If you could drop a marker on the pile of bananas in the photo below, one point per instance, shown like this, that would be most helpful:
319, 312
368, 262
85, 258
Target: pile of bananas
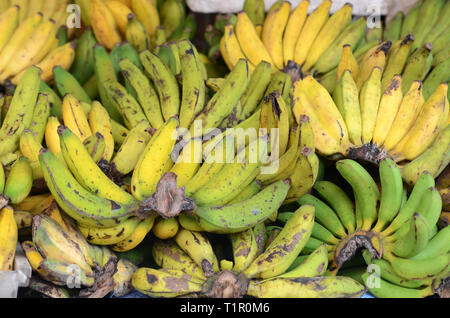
287, 37
34, 33
396, 228
371, 124
415, 48
261, 266
145, 24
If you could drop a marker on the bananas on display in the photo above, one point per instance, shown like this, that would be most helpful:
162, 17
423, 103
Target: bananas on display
188, 265
34, 33
396, 228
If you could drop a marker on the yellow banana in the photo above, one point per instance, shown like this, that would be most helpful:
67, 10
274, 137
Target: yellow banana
293, 28
387, 110
347, 62
9, 20
272, 33
188, 162
103, 24
100, 122
136, 237
19, 181
8, 238
120, 12
369, 101
329, 32
407, 113
74, 117
24, 57
147, 13
109, 236
165, 228
249, 41
429, 123
375, 57
21, 34
154, 160
313, 24
231, 49
136, 34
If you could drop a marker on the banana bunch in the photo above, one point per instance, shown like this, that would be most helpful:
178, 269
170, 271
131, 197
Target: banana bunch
34, 33
145, 24
258, 268
418, 49
360, 120
286, 36
59, 254
397, 228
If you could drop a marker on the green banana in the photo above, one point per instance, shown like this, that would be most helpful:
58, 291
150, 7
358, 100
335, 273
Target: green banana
66, 83
313, 265
255, 10
83, 65
410, 20
19, 181
393, 27
439, 74
172, 14
417, 67
415, 240
429, 13
390, 290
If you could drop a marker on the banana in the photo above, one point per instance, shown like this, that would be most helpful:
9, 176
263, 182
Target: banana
138, 235
389, 290
74, 117
199, 248
234, 176
410, 20
8, 237
9, 20
419, 269
87, 172
436, 246
34, 257
120, 12
104, 71
126, 157
440, 24
392, 189
437, 75
193, 95
374, 57
234, 218
19, 181
349, 36
257, 85
272, 33
417, 67
26, 54
338, 200
83, 65
20, 111
40, 116
255, 10
294, 25
100, 122
230, 48
433, 160
103, 24
188, 162
277, 258
312, 27
314, 265
365, 191
122, 278
29, 146
165, 228
407, 113
252, 46
387, 110
169, 255
165, 83
112, 235
429, 12
222, 103
369, 99
249, 191
66, 83
136, 34
336, 23
393, 27
158, 283
346, 98
60, 273
147, 13
95, 146
85, 207
154, 160
172, 15
245, 249
313, 100
145, 93
424, 182
397, 59
430, 206
427, 126
308, 287
347, 62
54, 99
54, 243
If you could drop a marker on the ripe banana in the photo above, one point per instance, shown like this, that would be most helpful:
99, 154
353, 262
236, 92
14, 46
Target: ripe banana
8, 237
